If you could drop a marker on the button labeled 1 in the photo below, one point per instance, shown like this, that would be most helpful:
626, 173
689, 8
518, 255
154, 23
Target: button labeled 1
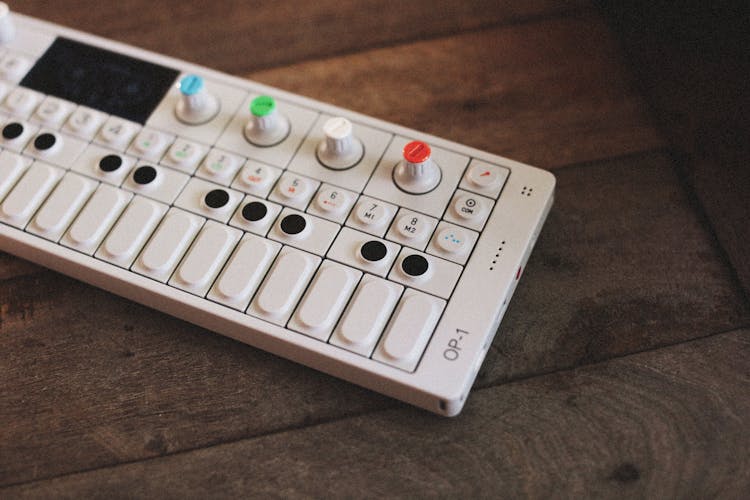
324, 300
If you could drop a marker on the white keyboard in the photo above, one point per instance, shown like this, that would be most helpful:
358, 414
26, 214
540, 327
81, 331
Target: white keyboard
376, 253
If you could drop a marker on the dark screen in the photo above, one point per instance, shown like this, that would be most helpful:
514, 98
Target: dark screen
110, 82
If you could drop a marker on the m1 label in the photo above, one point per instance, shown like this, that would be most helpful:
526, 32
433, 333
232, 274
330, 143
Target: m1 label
453, 351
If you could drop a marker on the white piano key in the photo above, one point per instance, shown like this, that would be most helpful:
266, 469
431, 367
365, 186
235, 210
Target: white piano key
29, 193
368, 312
409, 330
169, 243
324, 300
92, 224
283, 286
205, 258
131, 231
11, 168
244, 272
62, 206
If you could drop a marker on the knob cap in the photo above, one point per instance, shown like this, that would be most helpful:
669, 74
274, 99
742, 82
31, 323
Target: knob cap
196, 106
7, 28
417, 173
266, 127
340, 149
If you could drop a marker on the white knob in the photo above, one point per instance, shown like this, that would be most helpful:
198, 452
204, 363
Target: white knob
340, 149
417, 173
196, 105
7, 28
266, 127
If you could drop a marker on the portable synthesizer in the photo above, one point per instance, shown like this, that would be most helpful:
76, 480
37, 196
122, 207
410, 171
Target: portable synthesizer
369, 251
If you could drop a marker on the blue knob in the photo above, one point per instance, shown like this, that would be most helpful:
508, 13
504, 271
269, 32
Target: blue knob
191, 85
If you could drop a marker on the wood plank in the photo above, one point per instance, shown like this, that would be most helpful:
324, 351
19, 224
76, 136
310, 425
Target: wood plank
237, 37
623, 264
670, 423
91, 380
697, 82
550, 93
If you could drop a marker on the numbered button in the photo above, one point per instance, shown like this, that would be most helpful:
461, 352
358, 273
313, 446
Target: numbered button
13, 67
469, 210
116, 133
332, 203
294, 190
184, 155
52, 112
412, 229
220, 166
372, 216
84, 122
21, 102
150, 144
256, 178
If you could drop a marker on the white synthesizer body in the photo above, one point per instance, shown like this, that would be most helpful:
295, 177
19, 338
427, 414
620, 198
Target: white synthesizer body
369, 251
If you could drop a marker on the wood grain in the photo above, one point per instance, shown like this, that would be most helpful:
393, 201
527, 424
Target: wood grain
92, 380
550, 93
97, 390
697, 83
240, 36
624, 263
661, 424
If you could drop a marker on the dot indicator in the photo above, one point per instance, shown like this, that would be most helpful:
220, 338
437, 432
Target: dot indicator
262, 105
191, 85
12, 130
254, 211
110, 163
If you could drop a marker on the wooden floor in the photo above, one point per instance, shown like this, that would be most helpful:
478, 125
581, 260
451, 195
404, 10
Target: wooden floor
622, 368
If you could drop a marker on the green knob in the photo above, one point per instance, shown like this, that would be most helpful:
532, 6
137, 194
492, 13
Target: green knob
262, 106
